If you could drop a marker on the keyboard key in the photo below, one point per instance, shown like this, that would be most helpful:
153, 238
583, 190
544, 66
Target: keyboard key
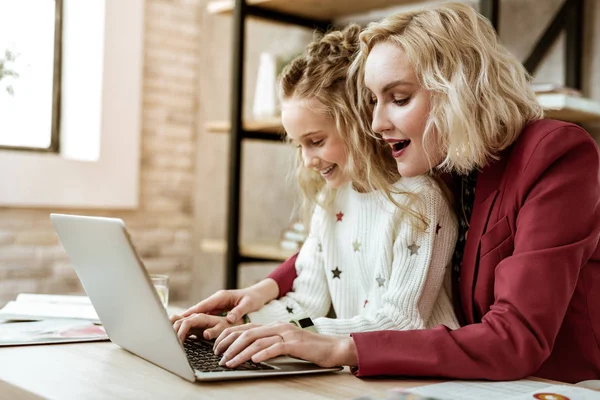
202, 358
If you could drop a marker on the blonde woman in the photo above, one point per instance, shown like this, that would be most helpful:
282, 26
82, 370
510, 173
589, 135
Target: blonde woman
378, 251
527, 275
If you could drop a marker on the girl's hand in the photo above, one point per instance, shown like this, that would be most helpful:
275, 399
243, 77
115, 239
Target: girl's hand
259, 343
211, 324
239, 301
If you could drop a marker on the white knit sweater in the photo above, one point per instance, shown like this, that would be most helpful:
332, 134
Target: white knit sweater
375, 268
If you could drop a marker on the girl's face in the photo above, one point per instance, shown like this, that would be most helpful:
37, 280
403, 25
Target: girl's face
400, 108
316, 135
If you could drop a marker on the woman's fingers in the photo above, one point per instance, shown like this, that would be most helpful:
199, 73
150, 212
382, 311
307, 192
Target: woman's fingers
232, 346
229, 335
254, 348
268, 341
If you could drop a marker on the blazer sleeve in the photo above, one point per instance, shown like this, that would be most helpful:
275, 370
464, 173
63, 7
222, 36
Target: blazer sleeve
557, 230
285, 274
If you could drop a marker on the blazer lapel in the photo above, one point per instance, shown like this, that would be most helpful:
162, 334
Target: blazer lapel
486, 191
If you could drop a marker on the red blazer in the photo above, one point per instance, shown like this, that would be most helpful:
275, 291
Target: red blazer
530, 277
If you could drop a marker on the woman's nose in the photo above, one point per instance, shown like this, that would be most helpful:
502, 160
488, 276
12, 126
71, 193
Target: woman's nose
381, 122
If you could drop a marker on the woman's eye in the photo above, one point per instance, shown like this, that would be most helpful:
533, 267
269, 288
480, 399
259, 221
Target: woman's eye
401, 102
317, 142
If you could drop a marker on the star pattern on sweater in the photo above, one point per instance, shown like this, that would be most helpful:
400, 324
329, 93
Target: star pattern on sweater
336, 273
356, 245
365, 303
437, 228
339, 216
320, 248
289, 309
414, 249
380, 280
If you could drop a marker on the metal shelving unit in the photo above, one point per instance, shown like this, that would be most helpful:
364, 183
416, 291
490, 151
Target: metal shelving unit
319, 14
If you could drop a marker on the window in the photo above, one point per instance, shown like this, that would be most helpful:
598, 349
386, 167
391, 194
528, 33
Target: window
99, 158
30, 74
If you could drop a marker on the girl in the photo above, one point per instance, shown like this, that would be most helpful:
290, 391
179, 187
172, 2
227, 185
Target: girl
378, 248
528, 188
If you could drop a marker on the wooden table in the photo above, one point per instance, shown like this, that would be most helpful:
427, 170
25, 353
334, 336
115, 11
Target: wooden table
103, 370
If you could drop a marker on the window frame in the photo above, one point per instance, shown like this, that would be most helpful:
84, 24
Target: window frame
105, 110
54, 146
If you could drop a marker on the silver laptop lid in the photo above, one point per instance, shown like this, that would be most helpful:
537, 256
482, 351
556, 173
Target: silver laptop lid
120, 289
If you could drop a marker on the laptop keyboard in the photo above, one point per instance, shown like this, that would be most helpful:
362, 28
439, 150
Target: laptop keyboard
202, 358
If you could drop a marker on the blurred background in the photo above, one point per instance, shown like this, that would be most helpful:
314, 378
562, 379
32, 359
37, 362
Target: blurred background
117, 126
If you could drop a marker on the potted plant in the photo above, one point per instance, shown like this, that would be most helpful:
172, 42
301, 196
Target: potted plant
5, 71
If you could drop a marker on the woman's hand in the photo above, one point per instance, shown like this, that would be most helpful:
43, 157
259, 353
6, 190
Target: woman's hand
259, 343
211, 324
239, 301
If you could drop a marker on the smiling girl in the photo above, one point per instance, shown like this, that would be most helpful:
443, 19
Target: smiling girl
380, 244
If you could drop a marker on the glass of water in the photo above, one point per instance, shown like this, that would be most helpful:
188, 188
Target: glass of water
161, 284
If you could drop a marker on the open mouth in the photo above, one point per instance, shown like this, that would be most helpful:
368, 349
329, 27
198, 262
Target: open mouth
398, 146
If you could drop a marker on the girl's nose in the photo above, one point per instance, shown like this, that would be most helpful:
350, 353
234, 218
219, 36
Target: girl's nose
310, 160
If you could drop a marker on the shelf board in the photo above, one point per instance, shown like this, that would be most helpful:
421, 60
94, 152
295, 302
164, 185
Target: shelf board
266, 249
569, 108
269, 125
557, 106
313, 9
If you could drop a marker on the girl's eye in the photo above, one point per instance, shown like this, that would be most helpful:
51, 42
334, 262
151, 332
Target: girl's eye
401, 102
317, 142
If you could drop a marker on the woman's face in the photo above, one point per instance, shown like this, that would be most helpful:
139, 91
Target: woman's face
400, 108
316, 135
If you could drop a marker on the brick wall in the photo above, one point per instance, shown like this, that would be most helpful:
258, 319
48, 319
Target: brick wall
183, 168
31, 257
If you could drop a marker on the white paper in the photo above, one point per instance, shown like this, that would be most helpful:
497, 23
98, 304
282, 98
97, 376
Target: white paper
570, 392
50, 331
33, 306
477, 390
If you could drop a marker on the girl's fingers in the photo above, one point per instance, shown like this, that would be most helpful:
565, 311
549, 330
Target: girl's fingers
195, 321
221, 300
177, 324
213, 332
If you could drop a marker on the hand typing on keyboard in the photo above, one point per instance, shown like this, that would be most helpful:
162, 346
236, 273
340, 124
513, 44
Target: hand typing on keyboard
212, 325
202, 358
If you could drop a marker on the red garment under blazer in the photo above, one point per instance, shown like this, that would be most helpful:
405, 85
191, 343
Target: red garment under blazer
530, 277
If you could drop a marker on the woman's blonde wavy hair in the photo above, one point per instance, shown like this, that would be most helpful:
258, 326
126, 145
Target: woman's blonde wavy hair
480, 94
321, 75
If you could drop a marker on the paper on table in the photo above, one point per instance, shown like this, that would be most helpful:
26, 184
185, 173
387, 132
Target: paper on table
513, 390
50, 331
477, 390
53, 298
555, 392
34, 306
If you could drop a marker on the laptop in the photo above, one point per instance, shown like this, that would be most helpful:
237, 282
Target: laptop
133, 316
